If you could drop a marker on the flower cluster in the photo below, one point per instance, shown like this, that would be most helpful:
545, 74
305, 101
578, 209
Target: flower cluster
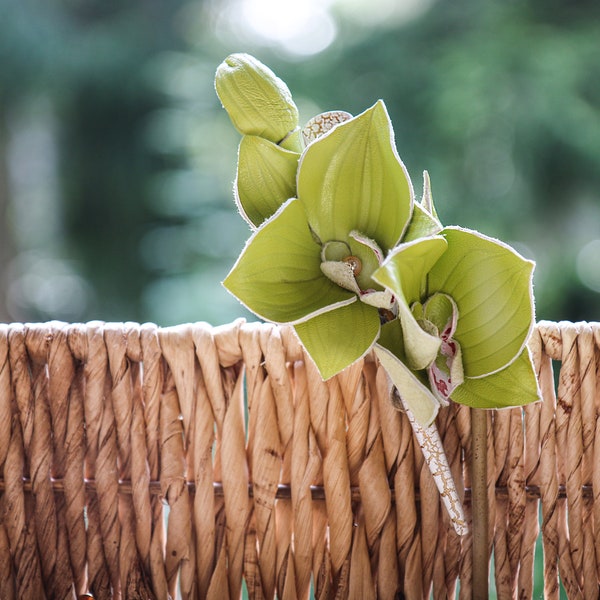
342, 252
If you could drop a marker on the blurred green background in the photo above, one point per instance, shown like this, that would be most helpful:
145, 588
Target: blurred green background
117, 160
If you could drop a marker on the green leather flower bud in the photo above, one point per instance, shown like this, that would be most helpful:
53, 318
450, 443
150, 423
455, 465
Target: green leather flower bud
257, 101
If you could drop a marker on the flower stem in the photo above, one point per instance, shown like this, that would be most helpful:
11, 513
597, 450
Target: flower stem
479, 503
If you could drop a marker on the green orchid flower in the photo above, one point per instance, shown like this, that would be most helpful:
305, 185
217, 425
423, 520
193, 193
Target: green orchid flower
477, 299
311, 263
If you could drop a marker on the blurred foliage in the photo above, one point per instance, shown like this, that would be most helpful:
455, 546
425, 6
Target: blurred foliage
500, 102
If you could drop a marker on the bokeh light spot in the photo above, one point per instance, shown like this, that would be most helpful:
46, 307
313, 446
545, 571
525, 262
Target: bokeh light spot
588, 265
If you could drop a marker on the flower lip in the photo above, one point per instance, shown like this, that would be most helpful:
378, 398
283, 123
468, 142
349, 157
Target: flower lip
350, 263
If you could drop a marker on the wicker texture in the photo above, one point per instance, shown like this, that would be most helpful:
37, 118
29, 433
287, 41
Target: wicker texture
270, 474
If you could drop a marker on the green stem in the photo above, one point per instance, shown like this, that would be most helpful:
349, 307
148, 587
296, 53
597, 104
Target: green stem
479, 504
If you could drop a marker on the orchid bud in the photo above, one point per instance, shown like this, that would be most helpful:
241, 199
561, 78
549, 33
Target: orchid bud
257, 101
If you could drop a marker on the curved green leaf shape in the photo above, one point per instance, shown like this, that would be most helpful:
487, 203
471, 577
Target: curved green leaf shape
414, 393
516, 385
337, 338
351, 179
404, 272
278, 275
266, 178
492, 287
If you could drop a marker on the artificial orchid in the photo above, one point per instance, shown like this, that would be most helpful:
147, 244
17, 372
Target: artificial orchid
341, 251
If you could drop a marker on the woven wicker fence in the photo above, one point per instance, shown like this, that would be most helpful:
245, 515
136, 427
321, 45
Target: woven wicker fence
147, 462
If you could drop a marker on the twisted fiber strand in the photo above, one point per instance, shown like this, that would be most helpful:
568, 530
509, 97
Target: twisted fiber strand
141, 516
124, 358
250, 568
354, 387
235, 484
587, 381
140, 471
285, 568
321, 559
547, 338
84, 343
152, 385
275, 365
447, 556
517, 502
568, 436
327, 411
398, 450
502, 572
177, 454
19, 526
375, 496
57, 575
357, 412
122, 398
336, 480
5, 394
21, 566
375, 491
596, 454
389, 573
179, 549
25, 402
253, 381
16, 517
317, 397
7, 589
369, 472
501, 436
531, 527
65, 396
408, 535
207, 354
266, 461
306, 464
218, 388
516, 493
204, 500
491, 481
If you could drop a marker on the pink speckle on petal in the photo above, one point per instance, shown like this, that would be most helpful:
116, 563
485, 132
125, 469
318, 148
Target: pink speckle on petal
441, 384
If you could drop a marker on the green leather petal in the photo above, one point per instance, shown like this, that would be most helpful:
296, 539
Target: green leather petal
351, 179
337, 338
278, 275
516, 385
492, 287
266, 178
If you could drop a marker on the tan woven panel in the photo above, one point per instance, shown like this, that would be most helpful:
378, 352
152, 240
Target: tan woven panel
147, 462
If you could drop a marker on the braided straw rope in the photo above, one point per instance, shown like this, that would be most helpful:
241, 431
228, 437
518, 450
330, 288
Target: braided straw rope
140, 462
